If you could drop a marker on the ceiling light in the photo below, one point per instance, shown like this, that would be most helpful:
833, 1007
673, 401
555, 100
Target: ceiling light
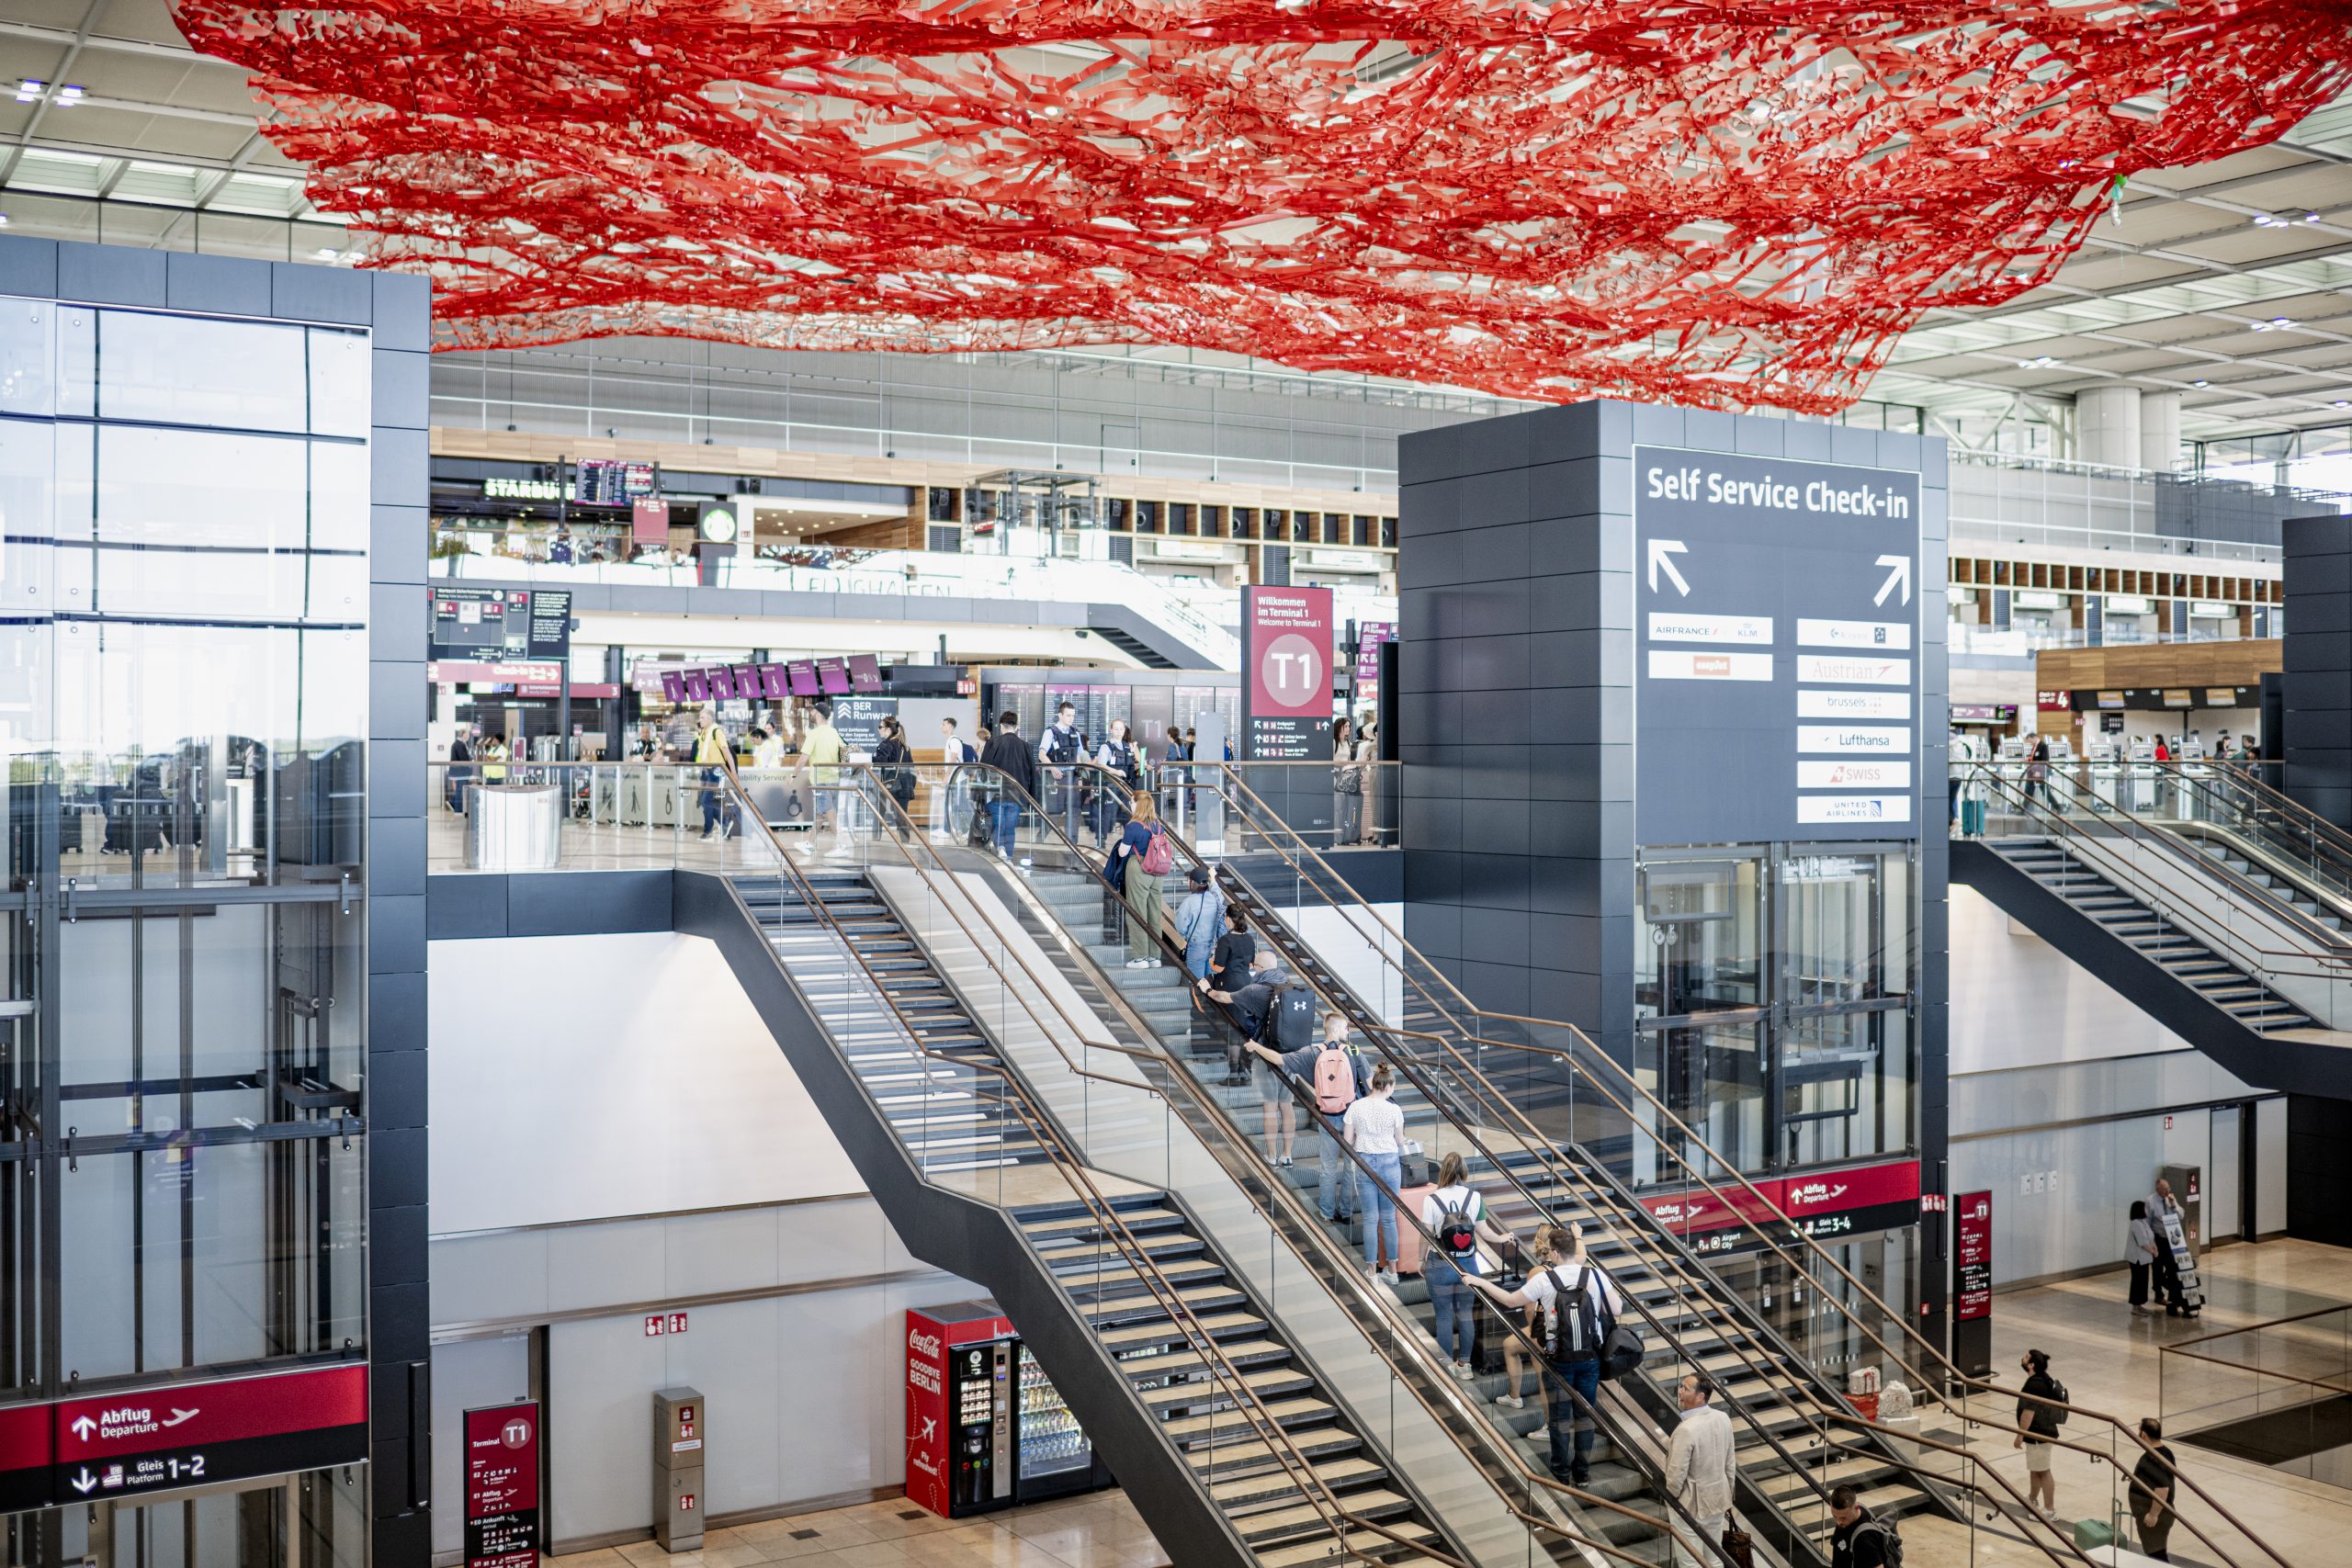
2281, 321
68, 96
2311, 217
2262, 220
326, 253
2198, 383
4, 220
2343, 403
30, 91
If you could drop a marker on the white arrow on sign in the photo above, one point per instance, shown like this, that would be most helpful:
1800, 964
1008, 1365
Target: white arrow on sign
1898, 571
85, 1481
1661, 550
84, 1427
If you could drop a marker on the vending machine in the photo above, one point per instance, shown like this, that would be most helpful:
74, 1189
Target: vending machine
986, 1428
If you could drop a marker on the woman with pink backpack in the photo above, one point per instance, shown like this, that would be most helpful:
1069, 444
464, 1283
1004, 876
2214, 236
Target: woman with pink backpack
1143, 855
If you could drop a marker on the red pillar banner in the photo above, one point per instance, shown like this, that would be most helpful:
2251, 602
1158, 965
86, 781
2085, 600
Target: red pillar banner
502, 1485
1286, 659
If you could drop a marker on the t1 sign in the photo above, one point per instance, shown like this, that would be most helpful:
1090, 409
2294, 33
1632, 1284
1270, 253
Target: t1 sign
502, 1485
1286, 650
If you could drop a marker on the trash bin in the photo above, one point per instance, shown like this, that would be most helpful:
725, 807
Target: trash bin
514, 827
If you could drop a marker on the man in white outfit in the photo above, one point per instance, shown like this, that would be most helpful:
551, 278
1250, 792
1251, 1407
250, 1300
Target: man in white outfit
1699, 1467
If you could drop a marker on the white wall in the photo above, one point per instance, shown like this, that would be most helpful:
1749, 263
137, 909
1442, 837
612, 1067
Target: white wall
2062, 1195
2017, 1001
583, 1076
1353, 948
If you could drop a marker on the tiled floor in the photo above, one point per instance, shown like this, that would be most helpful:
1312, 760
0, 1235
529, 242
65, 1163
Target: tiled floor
2107, 1358
1096, 1531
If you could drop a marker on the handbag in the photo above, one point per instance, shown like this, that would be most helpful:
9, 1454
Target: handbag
1347, 780
1739, 1548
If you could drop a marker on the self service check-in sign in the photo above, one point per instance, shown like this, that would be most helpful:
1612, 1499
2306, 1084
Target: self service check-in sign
1776, 648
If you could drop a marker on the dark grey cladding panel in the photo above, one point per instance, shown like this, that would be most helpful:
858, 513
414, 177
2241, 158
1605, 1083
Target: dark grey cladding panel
1431, 822
1497, 554
1760, 437
1850, 443
321, 294
1436, 926
403, 394
1709, 430
1806, 441
1495, 936
216, 285
1477, 609
2317, 574
111, 275
402, 315
1496, 987
2301, 537
1431, 875
1488, 662
1579, 430
2324, 690
1497, 826
2319, 650
460, 909
2324, 727
1492, 499
1434, 560
1582, 485
1590, 541
1656, 424
2318, 612
28, 267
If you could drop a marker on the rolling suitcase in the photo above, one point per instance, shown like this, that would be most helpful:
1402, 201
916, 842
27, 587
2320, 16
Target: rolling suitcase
1409, 1245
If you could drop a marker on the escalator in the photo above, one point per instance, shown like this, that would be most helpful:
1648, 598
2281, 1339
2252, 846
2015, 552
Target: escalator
2217, 913
1494, 1078
1240, 1385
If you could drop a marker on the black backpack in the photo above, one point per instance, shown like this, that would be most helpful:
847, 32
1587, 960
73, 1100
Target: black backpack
1291, 1019
1456, 1231
1890, 1539
2056, 1414
1579, 1332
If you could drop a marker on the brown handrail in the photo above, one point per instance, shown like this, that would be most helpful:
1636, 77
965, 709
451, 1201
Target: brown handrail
1773, 1374
1382, 1308
1145, 1268
1954, 1375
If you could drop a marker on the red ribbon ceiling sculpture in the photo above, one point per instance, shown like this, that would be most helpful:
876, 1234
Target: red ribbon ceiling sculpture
1721, 204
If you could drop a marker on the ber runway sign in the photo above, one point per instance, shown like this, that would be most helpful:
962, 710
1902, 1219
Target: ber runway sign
1776, 639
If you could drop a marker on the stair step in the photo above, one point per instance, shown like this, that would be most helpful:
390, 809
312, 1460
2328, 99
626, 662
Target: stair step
1354, 1545
1169, 1363
1275, 1524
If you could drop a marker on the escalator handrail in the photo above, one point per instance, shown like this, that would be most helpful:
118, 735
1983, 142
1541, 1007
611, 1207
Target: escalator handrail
2271, 842
2286, 805
2138, 830
1230, 1379
1604, 1065
1386, 1310
1631, 1217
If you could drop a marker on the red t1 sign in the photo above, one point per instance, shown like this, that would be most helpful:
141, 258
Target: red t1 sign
1286, 650
502, 1486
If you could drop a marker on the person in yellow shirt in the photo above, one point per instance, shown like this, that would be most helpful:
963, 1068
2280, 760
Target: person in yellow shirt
822, 746
712, 756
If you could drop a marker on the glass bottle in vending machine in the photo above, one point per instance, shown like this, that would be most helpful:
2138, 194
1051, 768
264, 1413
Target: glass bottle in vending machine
986, 1428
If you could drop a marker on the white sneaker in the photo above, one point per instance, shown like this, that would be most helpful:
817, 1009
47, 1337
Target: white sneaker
1388, 1276
1463, 1370
1510, 1402
1143, 963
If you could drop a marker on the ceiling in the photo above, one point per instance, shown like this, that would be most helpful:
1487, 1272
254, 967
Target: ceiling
2230, 282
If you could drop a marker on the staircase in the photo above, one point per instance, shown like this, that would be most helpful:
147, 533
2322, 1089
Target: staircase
1121, 1295
2290, 892
2158, 940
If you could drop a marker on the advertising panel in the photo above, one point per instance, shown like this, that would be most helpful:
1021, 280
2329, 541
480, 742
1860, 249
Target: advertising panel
1768, 592
500, 624
1971, 1329
1286, 652
502, 1485
649, 522
927, 1435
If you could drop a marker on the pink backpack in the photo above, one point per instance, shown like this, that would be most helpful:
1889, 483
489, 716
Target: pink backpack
1335, 1081
1160, 855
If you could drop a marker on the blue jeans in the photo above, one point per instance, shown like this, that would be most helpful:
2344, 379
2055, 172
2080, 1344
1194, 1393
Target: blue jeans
1329, 1195
1456, 1330
710, 801
1567, 1415
1376, 1202
1004, 817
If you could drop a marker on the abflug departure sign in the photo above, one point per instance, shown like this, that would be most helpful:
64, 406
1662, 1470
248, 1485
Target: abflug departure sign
1777, 674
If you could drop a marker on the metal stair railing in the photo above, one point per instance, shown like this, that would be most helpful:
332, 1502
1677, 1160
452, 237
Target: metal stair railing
1230, 1381
1632, 1219
1638, 1108
1403, 1332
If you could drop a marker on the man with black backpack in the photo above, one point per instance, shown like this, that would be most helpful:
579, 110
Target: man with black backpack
1579, 1307
1862, 1539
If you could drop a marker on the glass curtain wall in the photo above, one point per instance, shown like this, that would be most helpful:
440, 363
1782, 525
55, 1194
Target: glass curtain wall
183, 698
1773, 999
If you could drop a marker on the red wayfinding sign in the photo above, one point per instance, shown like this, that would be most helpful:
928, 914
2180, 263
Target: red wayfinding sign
1286, 650
196, 1434
502, 1485
1973, 1255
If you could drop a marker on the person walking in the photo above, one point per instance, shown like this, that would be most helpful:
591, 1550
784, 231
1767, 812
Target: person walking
896, 765
2037, 772
1579, 1303
1135, 866
713, 757
2140, 1252
1277, 1111
822, 747
1200, 921
1699, 1474
1010, 756
1454, 1215
951, 803
1368, 774
1175, 774
767, 749
2153, 1480
461, 752
1374, 1127
2037, 1419
1336, 1075
1347, 785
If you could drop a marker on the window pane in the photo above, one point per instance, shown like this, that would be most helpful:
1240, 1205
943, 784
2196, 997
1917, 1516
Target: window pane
202, 487
28, 355
188, 370
340, 388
